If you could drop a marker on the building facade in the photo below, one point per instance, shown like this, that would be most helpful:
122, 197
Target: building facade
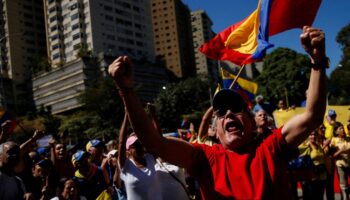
60, 88
173, 36
116, 27
202, 32
22, 44
79, 30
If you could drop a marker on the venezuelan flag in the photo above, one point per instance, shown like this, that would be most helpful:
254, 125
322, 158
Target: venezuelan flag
5, 116
247, 41
246, 88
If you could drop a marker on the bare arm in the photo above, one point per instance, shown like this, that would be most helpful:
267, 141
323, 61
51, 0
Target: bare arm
298, 128
52, 144
26, 147
116, 177
172, 150
204, 126
122, 141
154, 118
5, 131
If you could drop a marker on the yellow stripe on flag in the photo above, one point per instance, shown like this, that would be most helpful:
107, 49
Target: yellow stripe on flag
244, 38
245, 84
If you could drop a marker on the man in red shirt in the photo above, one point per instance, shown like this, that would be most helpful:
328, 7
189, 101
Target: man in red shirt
240, 167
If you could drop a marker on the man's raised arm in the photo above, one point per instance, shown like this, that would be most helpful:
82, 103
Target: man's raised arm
298, 128
175, 151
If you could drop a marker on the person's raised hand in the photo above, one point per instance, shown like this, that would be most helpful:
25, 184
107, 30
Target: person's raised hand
121, 70
313, 41
38, 134
52, 142
7, 127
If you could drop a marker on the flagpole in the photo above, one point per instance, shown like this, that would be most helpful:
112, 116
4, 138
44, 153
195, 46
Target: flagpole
237, 76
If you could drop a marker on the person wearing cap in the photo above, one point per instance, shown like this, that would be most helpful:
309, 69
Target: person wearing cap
96, 149
262, 105
329, 122
88, 177
137, 167
238, 168
41, 186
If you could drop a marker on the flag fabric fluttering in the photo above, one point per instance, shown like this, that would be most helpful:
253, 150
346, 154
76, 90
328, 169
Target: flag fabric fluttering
246, 41
4, 116
246, 88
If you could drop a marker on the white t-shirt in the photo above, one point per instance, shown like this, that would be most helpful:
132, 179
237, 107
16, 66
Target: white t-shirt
79, 197
11, 187
141, 184
171, 188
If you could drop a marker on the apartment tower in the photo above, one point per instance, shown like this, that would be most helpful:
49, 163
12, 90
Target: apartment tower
22, 45
115, 27
173, 36
202, 32
81, 31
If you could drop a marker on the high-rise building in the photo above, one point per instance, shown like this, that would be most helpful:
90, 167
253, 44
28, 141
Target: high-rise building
116, 27
22, 44
101, 28
202, 32
173, 36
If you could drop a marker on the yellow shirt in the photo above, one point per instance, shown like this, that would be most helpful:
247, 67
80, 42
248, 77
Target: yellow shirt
329, 130
343, 160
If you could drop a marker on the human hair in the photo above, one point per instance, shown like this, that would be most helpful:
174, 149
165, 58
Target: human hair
9, 143
2, 148
335, 127
61, 185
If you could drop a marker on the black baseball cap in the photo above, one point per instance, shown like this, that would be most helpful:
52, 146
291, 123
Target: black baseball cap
228, 99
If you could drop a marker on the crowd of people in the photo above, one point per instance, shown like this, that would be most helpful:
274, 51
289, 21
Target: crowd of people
236, 153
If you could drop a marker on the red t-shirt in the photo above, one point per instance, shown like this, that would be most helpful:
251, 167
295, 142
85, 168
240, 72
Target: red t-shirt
257, 174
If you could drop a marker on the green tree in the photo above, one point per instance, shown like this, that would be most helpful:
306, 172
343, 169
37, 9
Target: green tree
285, 73
101, 114
340, 77
51, 122
178, 99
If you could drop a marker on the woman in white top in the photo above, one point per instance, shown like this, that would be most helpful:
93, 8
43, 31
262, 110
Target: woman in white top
137, 168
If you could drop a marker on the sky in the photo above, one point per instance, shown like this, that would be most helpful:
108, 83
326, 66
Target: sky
332, 16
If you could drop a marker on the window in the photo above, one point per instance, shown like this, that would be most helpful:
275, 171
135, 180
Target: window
54, 37
75, 16
53, 28
55, 56
76, 36
53, 19
56, 46
75, 26
53, 9
74, 6
108, 17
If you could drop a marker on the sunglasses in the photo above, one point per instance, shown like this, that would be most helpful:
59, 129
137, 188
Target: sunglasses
136, 145
234, 108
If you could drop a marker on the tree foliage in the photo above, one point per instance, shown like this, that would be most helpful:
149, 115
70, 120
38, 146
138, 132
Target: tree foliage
340, 77
101, 114
185, 97
285, 74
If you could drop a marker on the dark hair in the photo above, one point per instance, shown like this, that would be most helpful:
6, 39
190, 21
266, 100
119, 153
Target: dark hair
61, 185
336, 126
